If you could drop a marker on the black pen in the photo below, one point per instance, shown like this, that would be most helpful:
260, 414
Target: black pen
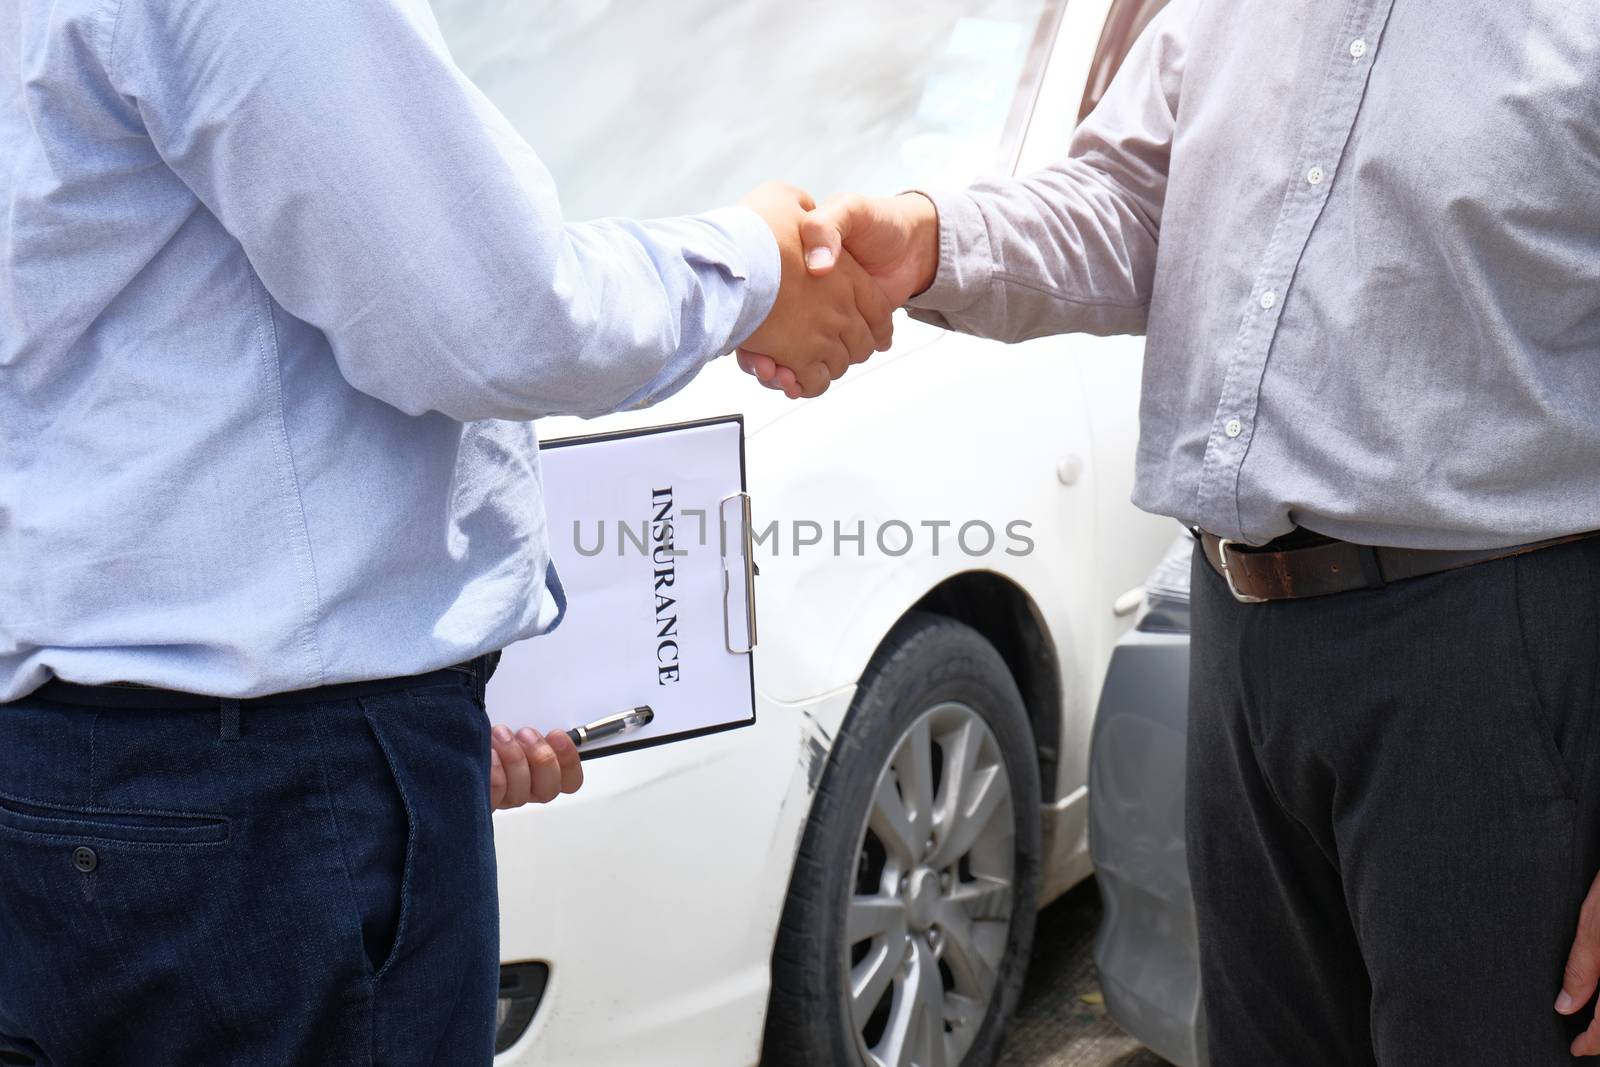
612, 725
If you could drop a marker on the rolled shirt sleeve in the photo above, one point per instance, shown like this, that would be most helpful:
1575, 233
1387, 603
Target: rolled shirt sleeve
381, 198
1071, 248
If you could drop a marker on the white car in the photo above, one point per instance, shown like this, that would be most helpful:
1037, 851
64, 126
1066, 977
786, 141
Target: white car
852, 880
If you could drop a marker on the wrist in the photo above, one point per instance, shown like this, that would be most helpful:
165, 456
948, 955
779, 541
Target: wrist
921, 219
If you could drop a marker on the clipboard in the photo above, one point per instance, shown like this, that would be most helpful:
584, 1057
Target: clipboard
650, 533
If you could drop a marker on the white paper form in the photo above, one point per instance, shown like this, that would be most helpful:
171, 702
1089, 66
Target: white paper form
648, 532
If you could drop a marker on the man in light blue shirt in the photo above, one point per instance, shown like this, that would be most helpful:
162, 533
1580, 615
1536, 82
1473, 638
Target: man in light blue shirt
279, 294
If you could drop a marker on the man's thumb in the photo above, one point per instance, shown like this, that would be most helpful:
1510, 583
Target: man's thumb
824, 231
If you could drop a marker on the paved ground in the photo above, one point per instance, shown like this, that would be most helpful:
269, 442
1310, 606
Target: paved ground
1060, 1021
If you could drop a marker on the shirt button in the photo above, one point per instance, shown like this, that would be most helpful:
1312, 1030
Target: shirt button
1358, 48
1268, 299
85, 860
1314, 175
1234, 428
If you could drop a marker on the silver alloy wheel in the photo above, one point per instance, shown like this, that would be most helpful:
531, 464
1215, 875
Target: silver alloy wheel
930, 907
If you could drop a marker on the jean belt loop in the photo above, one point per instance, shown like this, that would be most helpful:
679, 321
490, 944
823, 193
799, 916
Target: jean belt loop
486, 665
230, 720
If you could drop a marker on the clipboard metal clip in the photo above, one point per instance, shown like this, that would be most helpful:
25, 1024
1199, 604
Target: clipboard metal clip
738, 575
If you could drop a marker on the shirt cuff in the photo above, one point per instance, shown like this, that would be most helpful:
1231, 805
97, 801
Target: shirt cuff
762, 267
965, 261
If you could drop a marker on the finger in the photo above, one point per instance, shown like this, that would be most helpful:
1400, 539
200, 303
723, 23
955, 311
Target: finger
813, 379
768, 371
764, 368
824, 231
754, 363
784, 379
1588, 1042
497, 778
789, 382
567, 756
875, 309
1583, 968
858, 341
515, 762
546, 769
834, 354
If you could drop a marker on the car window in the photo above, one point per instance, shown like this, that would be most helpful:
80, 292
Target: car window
643, 107
1126, 20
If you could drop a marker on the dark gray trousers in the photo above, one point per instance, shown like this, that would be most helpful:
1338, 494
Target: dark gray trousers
1394, 815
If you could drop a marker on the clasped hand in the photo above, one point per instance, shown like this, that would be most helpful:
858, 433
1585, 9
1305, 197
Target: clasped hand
845, 268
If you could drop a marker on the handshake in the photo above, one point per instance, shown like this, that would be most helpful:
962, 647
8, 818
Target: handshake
846, 267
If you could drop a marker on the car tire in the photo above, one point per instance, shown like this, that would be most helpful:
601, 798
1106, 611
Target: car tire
959, 918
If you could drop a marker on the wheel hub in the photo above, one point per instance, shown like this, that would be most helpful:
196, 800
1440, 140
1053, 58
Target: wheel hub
926, 925
922, 898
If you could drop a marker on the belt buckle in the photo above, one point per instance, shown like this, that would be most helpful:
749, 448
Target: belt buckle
1227, 573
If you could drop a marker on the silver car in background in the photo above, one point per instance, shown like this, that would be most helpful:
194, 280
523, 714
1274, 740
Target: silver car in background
1147, 951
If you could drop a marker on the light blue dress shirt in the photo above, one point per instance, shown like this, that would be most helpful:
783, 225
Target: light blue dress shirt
279, 293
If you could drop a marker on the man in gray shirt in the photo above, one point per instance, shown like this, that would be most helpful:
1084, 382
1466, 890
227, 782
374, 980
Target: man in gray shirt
1363, 240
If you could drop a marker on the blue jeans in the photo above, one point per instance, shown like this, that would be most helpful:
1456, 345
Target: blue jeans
269, 883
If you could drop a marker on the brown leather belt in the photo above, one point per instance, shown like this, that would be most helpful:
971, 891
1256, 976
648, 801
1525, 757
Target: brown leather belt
1323, 566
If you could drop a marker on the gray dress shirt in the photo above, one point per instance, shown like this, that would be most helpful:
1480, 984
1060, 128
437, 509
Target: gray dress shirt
1363, 239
